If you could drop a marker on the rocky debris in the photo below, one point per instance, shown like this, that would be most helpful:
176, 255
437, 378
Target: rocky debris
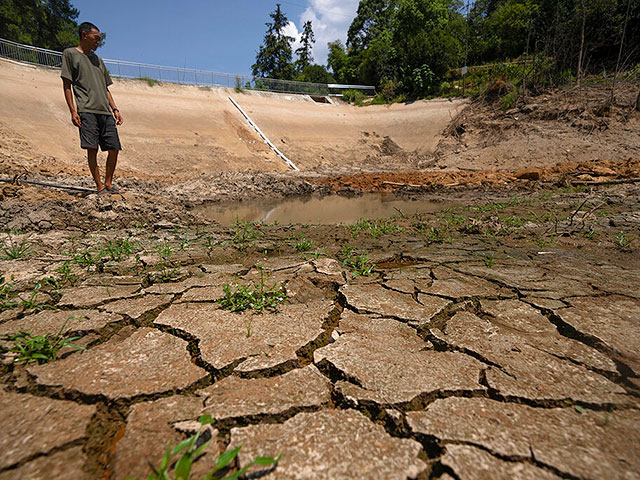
451, 284
341, 444
137, 307
51, 322
91, 296
147, 362
472, 463
587, 445
386, 362
149, 429
253, 341
513, 317
34, 425
376, 299
612, 320
65, 464
234, 397
526, 371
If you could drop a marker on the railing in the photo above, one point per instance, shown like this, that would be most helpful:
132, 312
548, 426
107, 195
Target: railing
159, 73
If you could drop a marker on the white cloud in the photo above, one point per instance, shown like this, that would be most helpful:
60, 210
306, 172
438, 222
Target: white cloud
292, 31
330, 20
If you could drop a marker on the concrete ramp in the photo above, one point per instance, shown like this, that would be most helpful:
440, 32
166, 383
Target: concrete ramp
179, 132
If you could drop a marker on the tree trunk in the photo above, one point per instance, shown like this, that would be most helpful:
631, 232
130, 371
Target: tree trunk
615, 74
584, 21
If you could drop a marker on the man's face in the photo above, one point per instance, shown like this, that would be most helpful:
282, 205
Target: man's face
92, 38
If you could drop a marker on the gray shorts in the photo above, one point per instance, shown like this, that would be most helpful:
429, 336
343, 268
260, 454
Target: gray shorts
99, 129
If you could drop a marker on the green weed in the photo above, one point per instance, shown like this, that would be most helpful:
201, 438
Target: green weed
150, 81
38, 348
487, 258
12, 250
243, 233
303, 245
7, 295
258, 296
622, 241
118, 249
66, 274
359, 264
374, 227
192, 448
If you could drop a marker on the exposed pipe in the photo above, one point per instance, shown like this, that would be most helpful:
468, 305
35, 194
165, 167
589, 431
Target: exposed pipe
264, 137
33, 182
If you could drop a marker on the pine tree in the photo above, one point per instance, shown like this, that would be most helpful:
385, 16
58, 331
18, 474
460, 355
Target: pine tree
304, 51
274, 56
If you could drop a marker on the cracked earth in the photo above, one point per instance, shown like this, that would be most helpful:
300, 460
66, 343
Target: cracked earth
439, 364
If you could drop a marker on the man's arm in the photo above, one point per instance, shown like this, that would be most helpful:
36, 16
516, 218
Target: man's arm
116, 112
68, 96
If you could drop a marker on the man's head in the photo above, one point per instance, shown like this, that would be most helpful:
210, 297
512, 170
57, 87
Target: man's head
89, 35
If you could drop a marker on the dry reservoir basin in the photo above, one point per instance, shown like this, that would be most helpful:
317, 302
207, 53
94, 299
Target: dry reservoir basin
326, 210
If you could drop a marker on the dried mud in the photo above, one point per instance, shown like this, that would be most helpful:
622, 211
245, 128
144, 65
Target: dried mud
494, 339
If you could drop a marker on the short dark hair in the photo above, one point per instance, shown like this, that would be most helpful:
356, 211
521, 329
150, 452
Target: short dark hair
86, 27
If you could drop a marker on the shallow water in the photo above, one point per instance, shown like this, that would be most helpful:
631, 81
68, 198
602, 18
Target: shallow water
326, 210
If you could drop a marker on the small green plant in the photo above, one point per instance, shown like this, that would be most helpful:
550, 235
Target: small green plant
38, 348
192, 448
13, 249
66, 274
118, 249
85, 258
622, 241
359, 264
258, 296
243, 232
303, 245
487, 258
7, 295
353, 96
150, 81
374, 227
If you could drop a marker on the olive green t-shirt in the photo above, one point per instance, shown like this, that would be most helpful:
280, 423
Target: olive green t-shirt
90, 79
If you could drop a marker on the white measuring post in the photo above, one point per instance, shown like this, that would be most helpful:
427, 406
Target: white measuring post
263, 136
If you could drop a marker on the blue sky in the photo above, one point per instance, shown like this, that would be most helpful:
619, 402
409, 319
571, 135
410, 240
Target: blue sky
217, 35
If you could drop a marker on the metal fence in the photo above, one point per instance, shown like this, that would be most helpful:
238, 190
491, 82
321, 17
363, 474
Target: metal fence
188, 76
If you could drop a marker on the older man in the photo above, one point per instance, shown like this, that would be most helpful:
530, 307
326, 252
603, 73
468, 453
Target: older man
95, 112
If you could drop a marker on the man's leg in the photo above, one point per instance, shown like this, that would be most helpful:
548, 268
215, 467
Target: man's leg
112, 160
92, 156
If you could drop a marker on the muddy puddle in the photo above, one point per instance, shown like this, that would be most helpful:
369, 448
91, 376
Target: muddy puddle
326, 210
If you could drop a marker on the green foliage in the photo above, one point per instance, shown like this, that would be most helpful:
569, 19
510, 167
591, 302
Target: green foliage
315, 74
244, 232
303, 245
118, 249
7, 295
356, 261
622, 241
258, 296
307, 39
375, 228
192, 448
51, 24
353, 96
38, 348
152, 82
274, 58
12, 249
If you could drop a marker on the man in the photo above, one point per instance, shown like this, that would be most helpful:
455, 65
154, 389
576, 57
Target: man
96, 109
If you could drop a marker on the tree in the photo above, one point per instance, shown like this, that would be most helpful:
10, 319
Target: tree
43, 23
304, 51
343, 66
315, 74
274, 56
